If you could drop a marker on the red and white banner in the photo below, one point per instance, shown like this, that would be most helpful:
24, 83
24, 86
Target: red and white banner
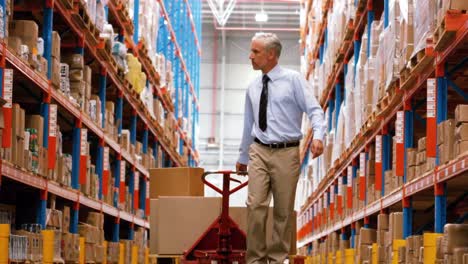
147, 203
332, 201
136, 190
83, 156
105, 172
378, 163
51, 148
349, 183
431, 119
400, 148
122, 181
339, 198
7, 107
362, 176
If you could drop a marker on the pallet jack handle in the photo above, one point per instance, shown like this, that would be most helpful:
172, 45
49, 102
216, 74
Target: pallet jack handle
226, 179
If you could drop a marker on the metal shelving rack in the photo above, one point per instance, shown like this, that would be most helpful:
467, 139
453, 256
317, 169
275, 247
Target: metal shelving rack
177, 18
433, 184
90, 45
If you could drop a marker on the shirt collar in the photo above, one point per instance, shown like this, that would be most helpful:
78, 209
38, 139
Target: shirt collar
275, 73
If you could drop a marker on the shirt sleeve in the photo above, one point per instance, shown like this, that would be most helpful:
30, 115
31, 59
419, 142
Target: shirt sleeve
309, 105
247, 137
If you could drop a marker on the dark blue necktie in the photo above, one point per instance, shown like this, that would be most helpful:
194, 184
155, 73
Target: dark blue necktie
262, 114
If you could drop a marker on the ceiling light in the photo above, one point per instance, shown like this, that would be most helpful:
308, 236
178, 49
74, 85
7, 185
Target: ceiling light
261, 17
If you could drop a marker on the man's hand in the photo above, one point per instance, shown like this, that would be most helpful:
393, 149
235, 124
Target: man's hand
241, 169
316, 148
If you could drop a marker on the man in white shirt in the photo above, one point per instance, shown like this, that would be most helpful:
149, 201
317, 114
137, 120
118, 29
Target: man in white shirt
274, 105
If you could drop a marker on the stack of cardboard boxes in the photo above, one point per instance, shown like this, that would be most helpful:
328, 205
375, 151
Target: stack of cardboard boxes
413, 245
446, 140
461, 133
113, 252
367, 237
372, 193
93, 233
394, 237
382, 229
453, 245
70, 242
24, 40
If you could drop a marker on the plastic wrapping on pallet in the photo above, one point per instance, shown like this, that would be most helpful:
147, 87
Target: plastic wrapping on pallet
424, 22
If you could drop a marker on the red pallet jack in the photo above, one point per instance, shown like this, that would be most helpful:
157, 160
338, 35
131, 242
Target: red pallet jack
223, 242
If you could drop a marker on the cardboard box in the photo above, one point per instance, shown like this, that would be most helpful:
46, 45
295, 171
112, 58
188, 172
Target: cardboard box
56, 72
461, 114
411, 156
75, 61
14, 43
458, 5
87, 74
76, 75
56, 45
461, 147
368, 236
27, 30
176, 182
96, 219
169, 213
411, 173
36, 122
422, 144
396, 225
66, 219
382, 222
455, 236
461, 132
89, 232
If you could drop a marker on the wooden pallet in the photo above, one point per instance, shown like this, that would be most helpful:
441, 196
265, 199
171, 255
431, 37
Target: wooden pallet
349, 33
361, 5
68, 4
406, 79
80, 14
420, 61
448, 27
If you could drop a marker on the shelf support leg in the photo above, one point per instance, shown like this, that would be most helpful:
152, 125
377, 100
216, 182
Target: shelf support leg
102, 95
76, 154
116, 233
117, 180
74, 218
100, 165
440, 189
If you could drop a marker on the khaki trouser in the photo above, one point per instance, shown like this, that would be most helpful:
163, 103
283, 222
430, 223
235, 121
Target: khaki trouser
271, 172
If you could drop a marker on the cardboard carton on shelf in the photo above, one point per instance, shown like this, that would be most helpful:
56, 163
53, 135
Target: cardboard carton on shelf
27, 30
461, 114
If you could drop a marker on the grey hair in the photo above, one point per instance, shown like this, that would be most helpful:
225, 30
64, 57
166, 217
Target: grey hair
271, 41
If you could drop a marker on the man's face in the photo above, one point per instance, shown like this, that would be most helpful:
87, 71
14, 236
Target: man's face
259, 56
